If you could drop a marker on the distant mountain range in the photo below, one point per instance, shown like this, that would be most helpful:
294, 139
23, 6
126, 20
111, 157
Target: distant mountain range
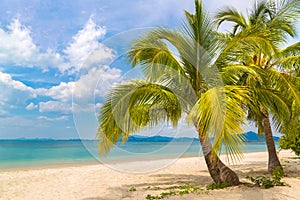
254, 137
138, 138
250, 137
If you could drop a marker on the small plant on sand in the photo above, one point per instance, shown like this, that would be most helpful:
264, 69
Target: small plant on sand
188, 188
214, 186
153, 188
261, 181
132, 189
151, 197
161, 196
172, 191
267, 182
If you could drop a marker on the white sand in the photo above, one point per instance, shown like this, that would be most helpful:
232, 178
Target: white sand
98, 182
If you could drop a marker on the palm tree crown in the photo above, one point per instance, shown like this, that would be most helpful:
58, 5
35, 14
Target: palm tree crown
273, 87
175, 84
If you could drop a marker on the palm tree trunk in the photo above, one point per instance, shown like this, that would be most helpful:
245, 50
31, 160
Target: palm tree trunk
219, 172
273, 158
273, 162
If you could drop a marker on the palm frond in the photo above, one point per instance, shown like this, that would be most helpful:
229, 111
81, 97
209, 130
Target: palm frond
260, 13
286, 14
231, 15
238, 74
291, 50
132, 106
284, 84
154, 55
219, 114
253, 41
278, 106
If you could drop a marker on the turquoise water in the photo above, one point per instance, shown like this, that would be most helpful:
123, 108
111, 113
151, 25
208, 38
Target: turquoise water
37, 153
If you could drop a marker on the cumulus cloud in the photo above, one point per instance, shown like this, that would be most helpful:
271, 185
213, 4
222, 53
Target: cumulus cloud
17, 48
14, 93
6, 79
62, 92
86, 50
93, 86
96, 82
55, 106
31, 106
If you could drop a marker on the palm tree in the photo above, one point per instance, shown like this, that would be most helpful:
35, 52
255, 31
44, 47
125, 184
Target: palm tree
178, 84
275, 91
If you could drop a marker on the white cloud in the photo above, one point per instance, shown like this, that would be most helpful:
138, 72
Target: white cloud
31, 106
14, 93
17, 48
55, 106
85, 50
7, 80
62, 92
96, 82
62, 118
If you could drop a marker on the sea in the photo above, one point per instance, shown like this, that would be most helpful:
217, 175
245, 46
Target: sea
20, 154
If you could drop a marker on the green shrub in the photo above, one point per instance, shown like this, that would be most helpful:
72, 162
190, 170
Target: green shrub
277, 175
267, 182
261, 181
291, 142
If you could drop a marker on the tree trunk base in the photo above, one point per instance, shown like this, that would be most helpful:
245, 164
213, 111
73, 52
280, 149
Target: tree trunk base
229, 176
274, 162
219, 172
274, 165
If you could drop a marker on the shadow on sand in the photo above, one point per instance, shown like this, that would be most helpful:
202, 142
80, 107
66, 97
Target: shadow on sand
162, 180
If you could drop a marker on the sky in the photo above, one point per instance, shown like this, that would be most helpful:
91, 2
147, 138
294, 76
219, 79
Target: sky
58, 59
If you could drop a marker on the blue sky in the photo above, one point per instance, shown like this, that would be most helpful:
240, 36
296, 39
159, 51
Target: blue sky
46, 59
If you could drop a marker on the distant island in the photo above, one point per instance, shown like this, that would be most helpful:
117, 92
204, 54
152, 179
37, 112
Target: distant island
254, 137
249, 136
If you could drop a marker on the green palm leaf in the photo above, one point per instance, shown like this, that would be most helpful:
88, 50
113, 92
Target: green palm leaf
219, 114
132, 106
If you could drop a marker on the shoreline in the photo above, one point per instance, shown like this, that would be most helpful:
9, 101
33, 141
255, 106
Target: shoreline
89, 162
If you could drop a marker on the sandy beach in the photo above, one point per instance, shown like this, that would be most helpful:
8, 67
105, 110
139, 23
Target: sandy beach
99, 182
